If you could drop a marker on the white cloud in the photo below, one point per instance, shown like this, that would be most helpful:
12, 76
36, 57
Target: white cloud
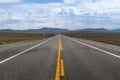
10, 1
103, 6
83, 14
70, 1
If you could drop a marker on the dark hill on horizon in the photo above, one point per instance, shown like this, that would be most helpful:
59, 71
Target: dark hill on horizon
57, 30
42, 30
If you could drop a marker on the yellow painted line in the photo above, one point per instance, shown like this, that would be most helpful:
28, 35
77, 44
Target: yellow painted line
62, 68
61, 46
60, 63
57, 76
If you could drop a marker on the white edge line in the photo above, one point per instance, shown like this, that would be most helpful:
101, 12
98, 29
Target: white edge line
95, 48
23, 51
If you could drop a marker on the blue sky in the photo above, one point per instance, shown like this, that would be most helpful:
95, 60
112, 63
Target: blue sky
70, 14
41, 1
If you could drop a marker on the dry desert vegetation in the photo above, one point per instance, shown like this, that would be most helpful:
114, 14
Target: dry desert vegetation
6, 38
110, 38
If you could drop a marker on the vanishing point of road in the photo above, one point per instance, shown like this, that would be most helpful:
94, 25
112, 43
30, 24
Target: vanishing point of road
58, 58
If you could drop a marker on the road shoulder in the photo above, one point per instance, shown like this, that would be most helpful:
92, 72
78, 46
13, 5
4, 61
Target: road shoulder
100, 44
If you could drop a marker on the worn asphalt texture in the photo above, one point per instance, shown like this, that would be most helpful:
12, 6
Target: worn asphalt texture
80, 62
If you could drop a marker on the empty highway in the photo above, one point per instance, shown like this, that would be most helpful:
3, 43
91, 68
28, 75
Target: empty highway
58, 58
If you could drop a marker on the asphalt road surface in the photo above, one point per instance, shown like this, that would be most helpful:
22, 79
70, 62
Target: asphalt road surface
38, 60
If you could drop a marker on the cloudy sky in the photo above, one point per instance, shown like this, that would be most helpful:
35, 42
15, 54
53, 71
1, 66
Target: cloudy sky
70, 14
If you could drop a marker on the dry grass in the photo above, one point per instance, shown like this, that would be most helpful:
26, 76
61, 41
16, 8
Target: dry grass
105, 38
6, 38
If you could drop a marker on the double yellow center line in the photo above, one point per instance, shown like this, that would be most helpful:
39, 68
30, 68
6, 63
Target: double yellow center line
60, 62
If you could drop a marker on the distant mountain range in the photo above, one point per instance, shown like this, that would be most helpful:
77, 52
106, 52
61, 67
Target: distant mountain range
97, 30
57, 30
42, 30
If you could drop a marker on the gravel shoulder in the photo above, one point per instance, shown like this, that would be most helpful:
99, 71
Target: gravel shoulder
100, 44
